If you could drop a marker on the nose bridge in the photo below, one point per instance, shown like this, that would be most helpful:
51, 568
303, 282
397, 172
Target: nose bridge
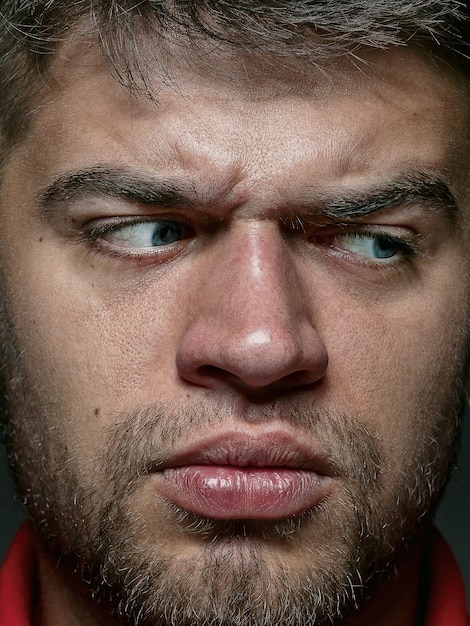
259, 282
251, 319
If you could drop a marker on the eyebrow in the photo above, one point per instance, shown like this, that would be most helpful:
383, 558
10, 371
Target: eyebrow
117, 182
428, 188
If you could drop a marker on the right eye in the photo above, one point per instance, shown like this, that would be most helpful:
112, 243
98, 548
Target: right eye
143, 235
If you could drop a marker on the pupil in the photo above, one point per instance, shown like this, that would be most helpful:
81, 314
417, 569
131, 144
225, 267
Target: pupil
385, 248
166, 232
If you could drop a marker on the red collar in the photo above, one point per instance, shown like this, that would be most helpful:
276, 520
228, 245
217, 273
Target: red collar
18, 584
18, 579
446, 604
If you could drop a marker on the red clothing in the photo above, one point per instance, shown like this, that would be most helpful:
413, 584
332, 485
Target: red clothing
446, 600
18, 584
18, 580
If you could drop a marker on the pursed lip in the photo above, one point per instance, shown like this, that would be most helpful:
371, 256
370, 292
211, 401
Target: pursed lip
233, 475
272, 448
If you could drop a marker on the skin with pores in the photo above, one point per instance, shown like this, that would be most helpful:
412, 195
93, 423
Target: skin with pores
256, 316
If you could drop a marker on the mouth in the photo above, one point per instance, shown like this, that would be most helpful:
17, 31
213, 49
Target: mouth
234, 475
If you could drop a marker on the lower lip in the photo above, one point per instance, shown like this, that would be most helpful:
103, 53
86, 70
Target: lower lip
228, 492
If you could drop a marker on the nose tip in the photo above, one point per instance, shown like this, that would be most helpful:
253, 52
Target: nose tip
256, 363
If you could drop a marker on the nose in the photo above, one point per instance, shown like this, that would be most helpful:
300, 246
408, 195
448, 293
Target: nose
251, 325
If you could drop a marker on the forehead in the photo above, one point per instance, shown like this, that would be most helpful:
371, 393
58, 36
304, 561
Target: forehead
220, 118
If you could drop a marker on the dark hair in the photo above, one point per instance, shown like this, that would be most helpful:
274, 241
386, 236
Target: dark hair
31, 30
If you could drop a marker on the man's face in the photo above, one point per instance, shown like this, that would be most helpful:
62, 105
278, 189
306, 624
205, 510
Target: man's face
236, 325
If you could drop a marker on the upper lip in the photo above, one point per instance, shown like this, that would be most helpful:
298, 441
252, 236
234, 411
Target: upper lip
272, 448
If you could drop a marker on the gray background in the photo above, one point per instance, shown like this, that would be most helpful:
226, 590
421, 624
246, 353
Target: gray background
453, 516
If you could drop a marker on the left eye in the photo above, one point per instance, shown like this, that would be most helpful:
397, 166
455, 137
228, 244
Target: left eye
371, 246
150, 234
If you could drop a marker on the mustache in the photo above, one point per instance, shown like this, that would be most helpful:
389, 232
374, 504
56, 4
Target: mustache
146, 435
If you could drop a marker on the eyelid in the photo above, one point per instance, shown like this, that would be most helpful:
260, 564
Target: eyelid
372, 229
408, 243
95, 228
410, 217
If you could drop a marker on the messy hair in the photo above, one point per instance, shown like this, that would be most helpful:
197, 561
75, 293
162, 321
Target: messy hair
32, 30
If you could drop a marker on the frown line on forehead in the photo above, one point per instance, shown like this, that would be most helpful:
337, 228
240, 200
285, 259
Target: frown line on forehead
342, 201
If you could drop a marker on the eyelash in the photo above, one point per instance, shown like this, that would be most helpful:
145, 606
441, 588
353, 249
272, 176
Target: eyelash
92, 233
408, 247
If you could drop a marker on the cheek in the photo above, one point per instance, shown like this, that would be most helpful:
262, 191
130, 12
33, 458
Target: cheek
91, 353
400, 372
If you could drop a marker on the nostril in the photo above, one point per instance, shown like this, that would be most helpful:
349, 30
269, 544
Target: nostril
260, 389
292, 380
211, 371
